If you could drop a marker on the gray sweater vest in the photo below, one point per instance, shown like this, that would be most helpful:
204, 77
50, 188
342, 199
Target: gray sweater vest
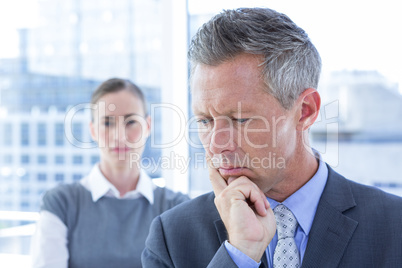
110, 232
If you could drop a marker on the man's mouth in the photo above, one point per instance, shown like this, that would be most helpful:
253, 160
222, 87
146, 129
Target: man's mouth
231, 171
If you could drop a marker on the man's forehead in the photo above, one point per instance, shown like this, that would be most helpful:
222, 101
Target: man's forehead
223, 101
205, 93
224, 86
227, 94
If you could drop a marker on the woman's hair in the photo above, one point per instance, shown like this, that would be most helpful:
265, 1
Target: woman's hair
290, 62
115, 85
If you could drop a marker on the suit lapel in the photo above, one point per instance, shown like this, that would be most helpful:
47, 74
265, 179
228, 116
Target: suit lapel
331, 230
264, 261
221, 231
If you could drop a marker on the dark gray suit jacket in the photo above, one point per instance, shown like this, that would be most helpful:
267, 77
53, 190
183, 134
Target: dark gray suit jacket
354, 226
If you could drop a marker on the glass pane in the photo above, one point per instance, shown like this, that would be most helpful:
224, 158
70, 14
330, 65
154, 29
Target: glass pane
52, 60
359, 131
53, 54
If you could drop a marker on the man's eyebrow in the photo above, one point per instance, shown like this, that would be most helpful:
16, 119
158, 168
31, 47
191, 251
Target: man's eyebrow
108, 117
230, 113
198, 113
238, 111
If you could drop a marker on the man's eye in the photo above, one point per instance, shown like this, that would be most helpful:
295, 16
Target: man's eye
241, 120
107, 123
203, 121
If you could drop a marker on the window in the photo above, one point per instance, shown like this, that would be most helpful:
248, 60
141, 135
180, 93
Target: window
24, 134
7, 134
77, 133
45, 72
42, 134
8, 204
94, 159
7, 159
77, 177
42, 159
25, 191
59, 159
24, 159
25, 177
42, 176
59, 177
59, 134
77, 160
25, 205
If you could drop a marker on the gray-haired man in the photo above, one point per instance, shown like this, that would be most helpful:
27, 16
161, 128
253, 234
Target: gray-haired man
275, 202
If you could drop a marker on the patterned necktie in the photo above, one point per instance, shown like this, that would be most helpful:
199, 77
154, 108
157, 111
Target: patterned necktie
286, 253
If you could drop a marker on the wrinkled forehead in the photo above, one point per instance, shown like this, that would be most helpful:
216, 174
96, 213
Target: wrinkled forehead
225, 85
221, 101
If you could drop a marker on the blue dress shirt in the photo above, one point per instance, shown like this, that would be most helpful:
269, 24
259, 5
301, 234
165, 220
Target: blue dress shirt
303, 205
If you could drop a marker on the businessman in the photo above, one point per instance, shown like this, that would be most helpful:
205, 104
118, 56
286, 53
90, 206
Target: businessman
275, 203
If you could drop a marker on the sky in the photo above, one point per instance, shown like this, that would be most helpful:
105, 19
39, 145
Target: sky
351, 35
13, 15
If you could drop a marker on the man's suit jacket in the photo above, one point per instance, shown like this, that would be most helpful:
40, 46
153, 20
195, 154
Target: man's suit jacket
354, 226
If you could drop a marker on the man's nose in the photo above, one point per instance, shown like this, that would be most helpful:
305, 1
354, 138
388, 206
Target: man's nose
222, 136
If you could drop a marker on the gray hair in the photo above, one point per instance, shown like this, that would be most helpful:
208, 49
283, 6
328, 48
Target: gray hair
291, 63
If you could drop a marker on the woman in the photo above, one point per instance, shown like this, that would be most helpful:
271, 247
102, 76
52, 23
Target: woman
103, 220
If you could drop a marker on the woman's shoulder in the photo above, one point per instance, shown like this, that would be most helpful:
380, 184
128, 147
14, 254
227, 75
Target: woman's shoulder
167, 198
202, 206
65, 190
63, 199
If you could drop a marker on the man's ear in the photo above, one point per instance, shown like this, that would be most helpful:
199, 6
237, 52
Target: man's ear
310, 107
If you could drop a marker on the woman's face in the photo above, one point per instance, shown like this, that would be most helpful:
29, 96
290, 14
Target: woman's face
120, 127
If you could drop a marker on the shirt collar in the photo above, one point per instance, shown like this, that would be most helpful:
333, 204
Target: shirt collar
99, 186
303, 203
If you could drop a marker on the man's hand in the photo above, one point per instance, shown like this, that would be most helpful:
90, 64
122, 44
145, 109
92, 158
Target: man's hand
245, 211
